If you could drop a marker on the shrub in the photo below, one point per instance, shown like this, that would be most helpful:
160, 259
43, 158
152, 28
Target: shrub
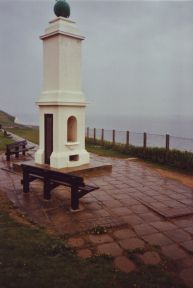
174, 158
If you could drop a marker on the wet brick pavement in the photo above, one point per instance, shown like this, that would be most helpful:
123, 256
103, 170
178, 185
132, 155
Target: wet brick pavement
129, 201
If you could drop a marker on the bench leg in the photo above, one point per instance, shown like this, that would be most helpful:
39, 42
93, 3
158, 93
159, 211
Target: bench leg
74, 198
47, 194
25, 181
23, 153
7, 157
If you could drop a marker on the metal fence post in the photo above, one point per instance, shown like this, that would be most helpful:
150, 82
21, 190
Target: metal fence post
94, 135
167, 143
144, 140
127, 138
113, 137
102, 136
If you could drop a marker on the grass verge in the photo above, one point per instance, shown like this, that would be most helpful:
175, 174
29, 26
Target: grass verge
31, 134
4, 141
103, 151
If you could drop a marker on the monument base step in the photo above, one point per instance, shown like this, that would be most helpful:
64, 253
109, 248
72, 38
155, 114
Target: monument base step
93, 166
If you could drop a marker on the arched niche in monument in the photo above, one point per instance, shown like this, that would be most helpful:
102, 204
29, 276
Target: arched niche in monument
72, 129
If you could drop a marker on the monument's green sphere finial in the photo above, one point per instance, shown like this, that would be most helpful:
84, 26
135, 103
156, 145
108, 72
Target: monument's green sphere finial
62, 8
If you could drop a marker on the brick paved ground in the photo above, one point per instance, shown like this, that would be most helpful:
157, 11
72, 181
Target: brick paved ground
132, 200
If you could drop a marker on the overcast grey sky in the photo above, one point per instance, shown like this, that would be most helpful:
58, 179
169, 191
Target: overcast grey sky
137, 56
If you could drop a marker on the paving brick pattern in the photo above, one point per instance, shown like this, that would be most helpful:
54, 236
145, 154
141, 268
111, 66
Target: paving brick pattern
132, 243
150, 258
76, 242
124, 264
130, 201
84, 253
110, 249
174, 252
99, 239
124, 234
158, 239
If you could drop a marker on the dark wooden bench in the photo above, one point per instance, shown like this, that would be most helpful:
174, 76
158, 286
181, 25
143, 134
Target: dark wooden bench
16, 148
51, 179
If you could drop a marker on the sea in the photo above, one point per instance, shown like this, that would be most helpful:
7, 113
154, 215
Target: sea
179, 128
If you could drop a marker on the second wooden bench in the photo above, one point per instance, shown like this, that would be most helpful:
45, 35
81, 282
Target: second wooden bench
16, 148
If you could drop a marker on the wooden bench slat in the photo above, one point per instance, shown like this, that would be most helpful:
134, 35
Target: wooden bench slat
88, 188
82, 191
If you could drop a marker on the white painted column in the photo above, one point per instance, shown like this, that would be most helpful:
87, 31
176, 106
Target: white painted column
62, 94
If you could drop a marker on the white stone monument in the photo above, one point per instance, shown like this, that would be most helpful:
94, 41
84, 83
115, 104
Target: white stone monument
62, 104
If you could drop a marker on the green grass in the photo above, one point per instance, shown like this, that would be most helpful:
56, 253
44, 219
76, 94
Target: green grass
103, 151
31, 134
4, 141
7, 122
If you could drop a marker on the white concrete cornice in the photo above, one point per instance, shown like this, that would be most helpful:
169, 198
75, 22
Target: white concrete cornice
61, 96
67, 20
61, 33
62, 26
58, 103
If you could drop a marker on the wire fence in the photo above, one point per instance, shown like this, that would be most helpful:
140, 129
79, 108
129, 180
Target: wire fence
141, 139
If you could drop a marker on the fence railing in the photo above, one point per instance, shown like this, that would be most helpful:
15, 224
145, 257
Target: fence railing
140, 139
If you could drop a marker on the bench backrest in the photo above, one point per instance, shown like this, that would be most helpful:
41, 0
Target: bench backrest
68, 178
16, 145
71, 179
33, 170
